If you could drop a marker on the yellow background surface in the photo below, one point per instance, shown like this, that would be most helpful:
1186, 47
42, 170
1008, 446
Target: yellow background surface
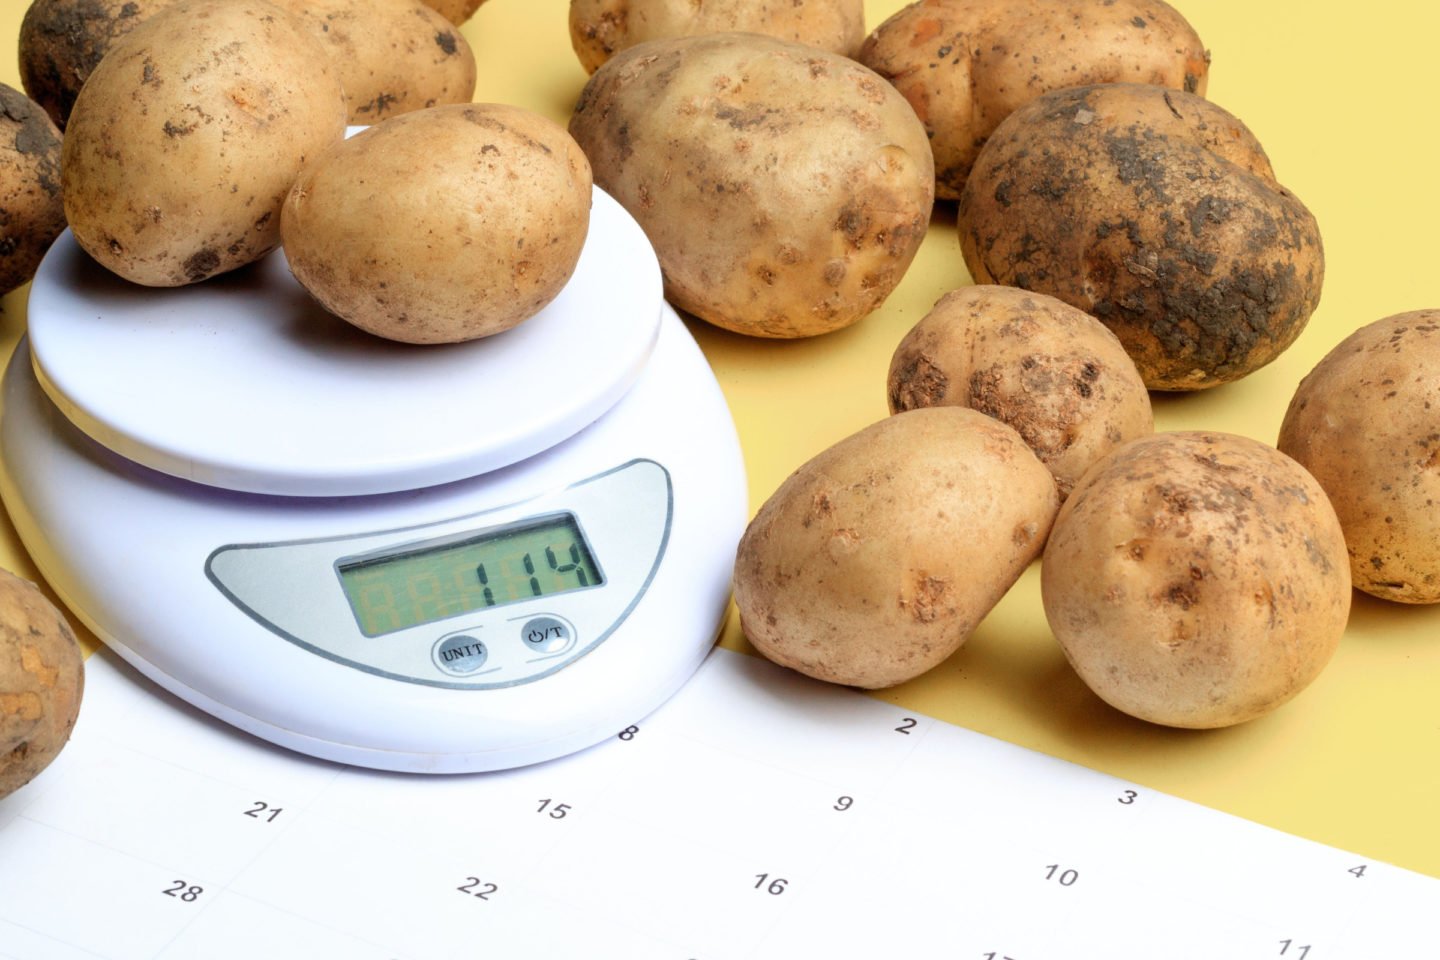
1341, 98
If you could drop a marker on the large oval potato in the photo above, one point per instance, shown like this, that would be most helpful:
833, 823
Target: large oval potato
392, 56
185, 140
42, 678
1158, 213
1197, 579
1364, 422
785, 189
492, 204
61, 41
879, 557
1055, 374
601, 28
965, 65
32, 213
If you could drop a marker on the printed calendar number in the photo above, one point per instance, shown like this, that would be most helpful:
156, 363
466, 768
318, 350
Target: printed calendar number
1064, 877
477, 888
629, 732
843, 803
1127, 797
184, 890
1289, 948
992, 955
774, 887
1357, 871
263, 811
906, 725
555, 811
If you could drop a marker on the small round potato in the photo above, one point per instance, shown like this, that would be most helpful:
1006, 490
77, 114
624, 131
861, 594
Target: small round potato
1364, 422
61, 41
31, 211
493, 204
878, 558
185, 140
785, 189
965, 65
1197, 579
601, 28
1155, 211
42, 678
1055, 374
456, 11
392, 56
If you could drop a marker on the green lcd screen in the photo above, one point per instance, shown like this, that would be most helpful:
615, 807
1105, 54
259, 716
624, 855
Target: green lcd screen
538, 557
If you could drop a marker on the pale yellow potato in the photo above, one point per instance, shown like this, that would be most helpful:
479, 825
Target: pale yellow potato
1366, 423
42, 679
601, 28
441, 225
1052, 372
31, 211
456, 11
965, 65
1197, 579
785, 189
186, 138
392, 56
878, 558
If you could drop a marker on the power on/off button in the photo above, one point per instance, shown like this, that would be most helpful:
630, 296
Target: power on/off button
547, 635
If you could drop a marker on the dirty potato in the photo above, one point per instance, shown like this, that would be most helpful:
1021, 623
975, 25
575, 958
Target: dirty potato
495, 207
42, 677
1156, 212
1364, 423
185, 140
877, 559
392, 56
31, 211
965, 65
785, 189
61, 41
1055, 374
1197, 579
601, 28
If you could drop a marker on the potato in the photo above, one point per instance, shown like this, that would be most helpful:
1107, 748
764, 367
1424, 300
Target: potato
1197, 579
877, 559
785, 189
61, 41
456, 11
392, 56
601, 28
42, 678
31, 211
1055, 374
1155, 211
495, 207
1364, 423
186, 138
965, 65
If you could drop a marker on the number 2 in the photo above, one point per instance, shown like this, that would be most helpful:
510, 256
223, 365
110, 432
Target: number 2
906, 725
477, 888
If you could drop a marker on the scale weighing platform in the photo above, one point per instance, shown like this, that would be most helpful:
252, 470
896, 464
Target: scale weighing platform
438, 559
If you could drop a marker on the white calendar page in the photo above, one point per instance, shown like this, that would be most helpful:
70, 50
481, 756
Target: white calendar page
757, 815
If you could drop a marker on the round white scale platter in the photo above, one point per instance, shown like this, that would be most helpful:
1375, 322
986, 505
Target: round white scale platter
427, 559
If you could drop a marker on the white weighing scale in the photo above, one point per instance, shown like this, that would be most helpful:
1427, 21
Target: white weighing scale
419, 558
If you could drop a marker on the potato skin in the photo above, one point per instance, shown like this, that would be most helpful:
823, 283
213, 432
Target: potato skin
785, 189
1197, 579
876, 560
1055, 374
392, 56
1155, 211
185, 140
61, 41
965, 65
42, 679
601, 28
456, 11
495, 201
32, 213
1364, 423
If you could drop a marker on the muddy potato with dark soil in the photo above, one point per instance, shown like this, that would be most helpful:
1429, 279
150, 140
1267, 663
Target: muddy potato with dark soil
32, 213
965, 65
1197, 579
61, 41
786, 189
1052, 372
1156, 212
1366, 423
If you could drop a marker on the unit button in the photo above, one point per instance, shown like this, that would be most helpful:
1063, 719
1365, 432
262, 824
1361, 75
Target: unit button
459, 654
547, 635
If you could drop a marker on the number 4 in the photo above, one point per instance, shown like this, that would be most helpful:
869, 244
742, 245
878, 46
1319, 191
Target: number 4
1358, 871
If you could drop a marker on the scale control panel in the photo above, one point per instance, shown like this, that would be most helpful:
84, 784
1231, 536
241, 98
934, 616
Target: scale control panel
491, 599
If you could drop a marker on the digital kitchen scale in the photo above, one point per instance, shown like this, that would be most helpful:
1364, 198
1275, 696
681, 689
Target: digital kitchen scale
421, 558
